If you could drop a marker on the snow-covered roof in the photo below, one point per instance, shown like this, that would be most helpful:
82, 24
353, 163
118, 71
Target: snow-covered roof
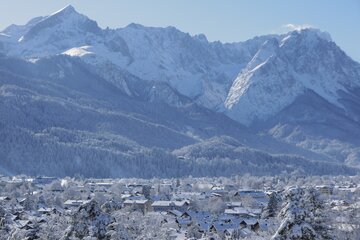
169, 203
234, 204
252, 193
75, 202
250, 221
243, 211
176, 213
136, 201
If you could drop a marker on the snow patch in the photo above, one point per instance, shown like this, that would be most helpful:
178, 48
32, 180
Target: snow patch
78, 52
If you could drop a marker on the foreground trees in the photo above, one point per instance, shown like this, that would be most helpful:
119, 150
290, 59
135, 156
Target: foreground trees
303, 216
89, 221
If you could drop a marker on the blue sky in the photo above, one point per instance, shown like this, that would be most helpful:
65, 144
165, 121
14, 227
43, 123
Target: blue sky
224, 20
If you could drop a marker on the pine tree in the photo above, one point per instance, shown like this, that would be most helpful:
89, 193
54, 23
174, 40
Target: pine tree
303, 216
272, 207
89, 221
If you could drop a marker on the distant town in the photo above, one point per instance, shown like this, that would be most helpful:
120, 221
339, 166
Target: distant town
240, 207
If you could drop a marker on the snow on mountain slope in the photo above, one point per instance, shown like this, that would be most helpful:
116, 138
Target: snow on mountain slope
15, 32
253, 96
259, 82
186, 63
274, 69
303, 90
191, 65
79, 52
224, 151
59, 118
313, 123
48, 35
281, 71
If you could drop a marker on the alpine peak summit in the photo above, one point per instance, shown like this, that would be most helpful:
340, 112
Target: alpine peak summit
66, 11
283, 69
57, 28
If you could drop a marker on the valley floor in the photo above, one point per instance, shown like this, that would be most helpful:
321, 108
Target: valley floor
240, 207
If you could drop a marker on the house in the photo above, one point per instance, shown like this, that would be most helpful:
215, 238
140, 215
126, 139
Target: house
16, 207
135, 188
5, 198
185, 215
42, 220
220, 227
219, 192
324, 189
204, 226
20, 215
47, 211
237, 211
75, 203
126, 196
243, 224
251, 223
138, 204
57, 188
202, 219
183, 222
198, 215
21, 201
13, 182
228, 233
232, 205
106, 185
226, 218
100, 186
187, 195
255, 227
256, 194
245, 232
24, 224
131, 186
43, 180
76, 188
244, 212
260, 198
111, 205
159, 197
162, 206
215, 188
216, 195
175, 213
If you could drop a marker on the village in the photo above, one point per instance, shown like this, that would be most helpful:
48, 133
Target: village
241, 207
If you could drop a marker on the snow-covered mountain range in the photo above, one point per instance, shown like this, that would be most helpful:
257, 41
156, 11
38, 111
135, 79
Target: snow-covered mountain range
145, 87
